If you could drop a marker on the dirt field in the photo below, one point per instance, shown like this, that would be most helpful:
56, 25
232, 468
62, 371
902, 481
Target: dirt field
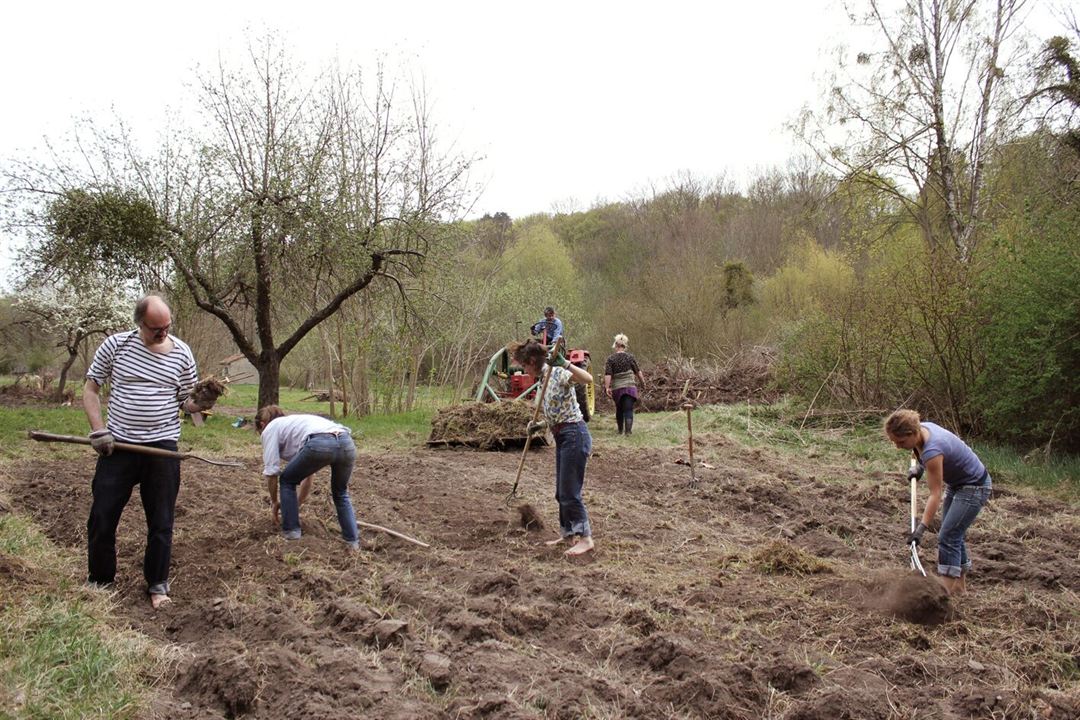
777, 588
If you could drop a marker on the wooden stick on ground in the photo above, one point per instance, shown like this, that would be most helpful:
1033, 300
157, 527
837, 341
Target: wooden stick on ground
395, 533
143, 449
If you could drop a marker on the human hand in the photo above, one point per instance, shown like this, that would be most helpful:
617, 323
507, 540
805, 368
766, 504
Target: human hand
557, 359
916, 471
915, 536
103, 442
536, 427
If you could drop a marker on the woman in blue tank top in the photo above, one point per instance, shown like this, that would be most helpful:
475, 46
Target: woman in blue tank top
958, 482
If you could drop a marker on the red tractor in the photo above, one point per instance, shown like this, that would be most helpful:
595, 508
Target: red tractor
504, 380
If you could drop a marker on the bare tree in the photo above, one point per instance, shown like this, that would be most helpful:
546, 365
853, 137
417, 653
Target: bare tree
292, 189
925, 108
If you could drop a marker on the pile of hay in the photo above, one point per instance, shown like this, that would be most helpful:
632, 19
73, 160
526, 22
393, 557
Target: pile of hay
783, 558
488, 426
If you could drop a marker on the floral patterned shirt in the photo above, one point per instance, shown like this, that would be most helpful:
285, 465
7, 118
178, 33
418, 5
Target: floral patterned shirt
560, 401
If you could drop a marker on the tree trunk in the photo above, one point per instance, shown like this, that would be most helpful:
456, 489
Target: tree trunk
73, 352
341, 366
269, 367
329, 369
361, 393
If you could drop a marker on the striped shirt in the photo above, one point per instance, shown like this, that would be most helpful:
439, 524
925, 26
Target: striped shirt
283, 437
146, 388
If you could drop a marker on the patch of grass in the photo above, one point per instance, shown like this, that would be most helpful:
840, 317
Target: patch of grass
16, 421
57, 663
58, 656
1057, 474
20, 539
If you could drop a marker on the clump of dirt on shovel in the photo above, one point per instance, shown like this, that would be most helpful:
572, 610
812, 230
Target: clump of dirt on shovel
487, 426
530, 519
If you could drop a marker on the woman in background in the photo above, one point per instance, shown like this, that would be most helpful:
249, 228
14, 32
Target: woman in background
620, 370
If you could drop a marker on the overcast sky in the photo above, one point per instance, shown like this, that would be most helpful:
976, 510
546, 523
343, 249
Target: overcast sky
568, 103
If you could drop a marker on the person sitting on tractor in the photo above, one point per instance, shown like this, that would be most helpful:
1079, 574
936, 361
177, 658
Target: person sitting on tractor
549, 329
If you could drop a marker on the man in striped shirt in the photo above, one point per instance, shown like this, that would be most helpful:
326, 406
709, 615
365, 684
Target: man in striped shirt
150, 373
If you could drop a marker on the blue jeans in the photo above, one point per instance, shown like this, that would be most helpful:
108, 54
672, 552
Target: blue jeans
573, 444
116, 476
319, 451
958, 511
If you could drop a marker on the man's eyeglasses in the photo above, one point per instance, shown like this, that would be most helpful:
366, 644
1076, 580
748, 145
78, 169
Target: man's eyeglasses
163, 330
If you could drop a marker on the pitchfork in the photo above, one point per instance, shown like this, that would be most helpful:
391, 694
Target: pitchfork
913, 475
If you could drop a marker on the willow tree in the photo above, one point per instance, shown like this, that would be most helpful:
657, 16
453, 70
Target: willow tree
287, 196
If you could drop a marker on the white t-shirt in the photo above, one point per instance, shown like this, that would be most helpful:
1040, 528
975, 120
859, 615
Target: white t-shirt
283, 437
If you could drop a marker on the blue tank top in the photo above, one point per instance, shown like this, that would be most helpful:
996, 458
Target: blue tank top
961, 465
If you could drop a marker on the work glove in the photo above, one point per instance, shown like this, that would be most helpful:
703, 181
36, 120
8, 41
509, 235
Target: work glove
916, 472
103, 442
536, 427
915, 535
557, 359
206, 392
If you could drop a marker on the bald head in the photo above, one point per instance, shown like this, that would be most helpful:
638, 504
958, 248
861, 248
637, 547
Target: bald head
154, 319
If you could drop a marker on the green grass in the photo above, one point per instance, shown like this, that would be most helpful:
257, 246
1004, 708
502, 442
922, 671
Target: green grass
218, 436
59, 657
1057, 474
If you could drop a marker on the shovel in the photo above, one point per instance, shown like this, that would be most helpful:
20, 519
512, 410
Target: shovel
160, 452
535, 417
913, 476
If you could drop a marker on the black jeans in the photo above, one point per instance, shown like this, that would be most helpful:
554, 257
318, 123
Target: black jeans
624, 413
116, 476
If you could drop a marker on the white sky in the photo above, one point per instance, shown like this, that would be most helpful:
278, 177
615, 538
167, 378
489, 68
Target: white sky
567, 102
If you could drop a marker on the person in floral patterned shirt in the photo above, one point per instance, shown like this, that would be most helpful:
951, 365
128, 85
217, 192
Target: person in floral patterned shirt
573, 444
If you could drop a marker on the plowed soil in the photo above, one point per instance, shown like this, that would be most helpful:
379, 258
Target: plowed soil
775, 588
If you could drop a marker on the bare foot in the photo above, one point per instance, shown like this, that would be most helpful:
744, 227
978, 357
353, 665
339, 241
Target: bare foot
582, 546
556, 542
159, 600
